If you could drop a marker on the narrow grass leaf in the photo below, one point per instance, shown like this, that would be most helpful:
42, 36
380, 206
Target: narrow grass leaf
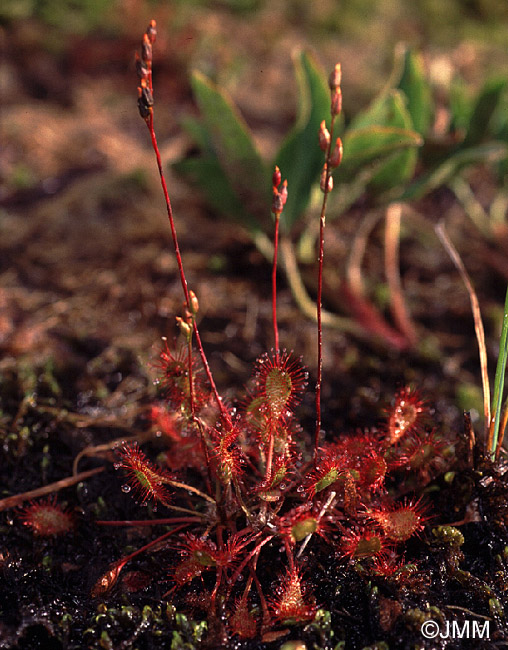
497, 399
475, 307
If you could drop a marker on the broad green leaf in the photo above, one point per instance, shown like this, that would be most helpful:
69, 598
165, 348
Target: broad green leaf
369, 144
484, 108
490, 153
416, 88
234, 146
199, 134
210, 178
206, 174
389, 111
300, 159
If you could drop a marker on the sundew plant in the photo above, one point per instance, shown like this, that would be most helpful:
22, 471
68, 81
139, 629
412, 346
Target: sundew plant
277, 533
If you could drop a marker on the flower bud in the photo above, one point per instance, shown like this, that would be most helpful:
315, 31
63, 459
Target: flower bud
335, 78
185, 328
141, 69
146, 49
324, 137
145, 100
284, 192
336, 106
336, 157
276, 178
279, 198
194, 304
323, 183
151, 31
277, 205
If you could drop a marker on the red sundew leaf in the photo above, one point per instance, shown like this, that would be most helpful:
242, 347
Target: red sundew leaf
406, 415
363, 543
46, 518
329, 468
292, 604
399, 522
364, 454
280, 381
107, 581
173, 368
134, 581
227, 453
147, 480
242, 622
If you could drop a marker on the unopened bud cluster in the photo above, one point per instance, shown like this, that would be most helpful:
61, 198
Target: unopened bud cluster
279, 197
144, 71
186, 323
333, 157
334, 83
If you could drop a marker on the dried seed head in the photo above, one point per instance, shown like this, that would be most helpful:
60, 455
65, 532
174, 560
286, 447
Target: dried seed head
336, 157
324, 137
335, 77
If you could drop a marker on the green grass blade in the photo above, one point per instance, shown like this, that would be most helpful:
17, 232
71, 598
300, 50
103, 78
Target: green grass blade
499, 383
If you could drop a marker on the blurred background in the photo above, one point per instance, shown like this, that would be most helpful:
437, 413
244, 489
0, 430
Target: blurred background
88, 280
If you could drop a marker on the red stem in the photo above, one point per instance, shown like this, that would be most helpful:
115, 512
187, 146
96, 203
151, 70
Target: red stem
322, 220
183, 280
244, 563
274, 284
150, 522
123, 561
